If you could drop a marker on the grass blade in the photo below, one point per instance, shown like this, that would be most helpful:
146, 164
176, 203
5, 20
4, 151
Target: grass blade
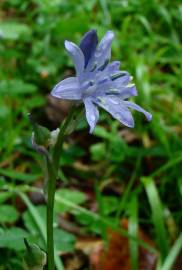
157, 215
174, 252
125, 195
133, 230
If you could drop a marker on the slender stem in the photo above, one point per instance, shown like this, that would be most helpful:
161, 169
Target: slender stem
50, 210
53, 166
59, 143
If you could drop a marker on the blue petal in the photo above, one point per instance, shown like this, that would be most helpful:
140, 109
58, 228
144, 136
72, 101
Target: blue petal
108, 71
103, 52
77, 56
119, 87
67, 89
117, 109
138, 108
88, 45
128, 91
92, 113
113, 67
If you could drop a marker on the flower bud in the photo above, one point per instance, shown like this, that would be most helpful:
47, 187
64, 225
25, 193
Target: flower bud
41, 134
34, 257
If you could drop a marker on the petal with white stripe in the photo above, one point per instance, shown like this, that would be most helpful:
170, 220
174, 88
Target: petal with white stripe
77, 56
138, 108
92, 113
117, 109
67, 89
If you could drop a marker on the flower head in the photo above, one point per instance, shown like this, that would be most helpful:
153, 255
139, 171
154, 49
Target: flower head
98, 83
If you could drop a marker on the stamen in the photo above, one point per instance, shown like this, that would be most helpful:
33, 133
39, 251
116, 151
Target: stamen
118, 75
130, 85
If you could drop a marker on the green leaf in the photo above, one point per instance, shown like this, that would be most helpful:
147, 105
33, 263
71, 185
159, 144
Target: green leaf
72, 153
4, 112
71, 27
8, 214
35, 101
160, 131
18, 175
133, 231
109, 204
30, 223
117, 149
102, 133
157, 215
4, 195
75, 196
16, 87
174, 252
13, 238
90, 222
64, 241
98, 151
145, 23
14, 30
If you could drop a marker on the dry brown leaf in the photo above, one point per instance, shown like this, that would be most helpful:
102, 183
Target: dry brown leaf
117, 257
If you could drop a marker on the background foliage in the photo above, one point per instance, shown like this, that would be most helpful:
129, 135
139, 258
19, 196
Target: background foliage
115, 173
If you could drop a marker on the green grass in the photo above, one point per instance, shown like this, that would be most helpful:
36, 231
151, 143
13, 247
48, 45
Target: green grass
33, 59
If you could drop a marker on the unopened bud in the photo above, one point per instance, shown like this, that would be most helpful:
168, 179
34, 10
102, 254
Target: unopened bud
34, 258
41, 134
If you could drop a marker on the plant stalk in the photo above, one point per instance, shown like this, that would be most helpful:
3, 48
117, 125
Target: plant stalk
50, 214
53, 166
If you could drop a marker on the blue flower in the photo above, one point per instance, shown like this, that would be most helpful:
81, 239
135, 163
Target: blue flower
98, 83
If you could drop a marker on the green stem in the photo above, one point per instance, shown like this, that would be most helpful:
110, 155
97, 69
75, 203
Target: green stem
53, 166
59, 143
50, 210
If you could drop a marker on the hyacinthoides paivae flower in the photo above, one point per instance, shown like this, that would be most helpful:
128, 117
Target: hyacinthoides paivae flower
99, 83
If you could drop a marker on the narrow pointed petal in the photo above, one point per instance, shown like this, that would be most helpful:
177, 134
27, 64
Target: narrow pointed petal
67, 89
113, 67
103, 53
77, 56
109, 70
92, 113
122, 83
138, 108
117, 109
88, 44
106, 41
